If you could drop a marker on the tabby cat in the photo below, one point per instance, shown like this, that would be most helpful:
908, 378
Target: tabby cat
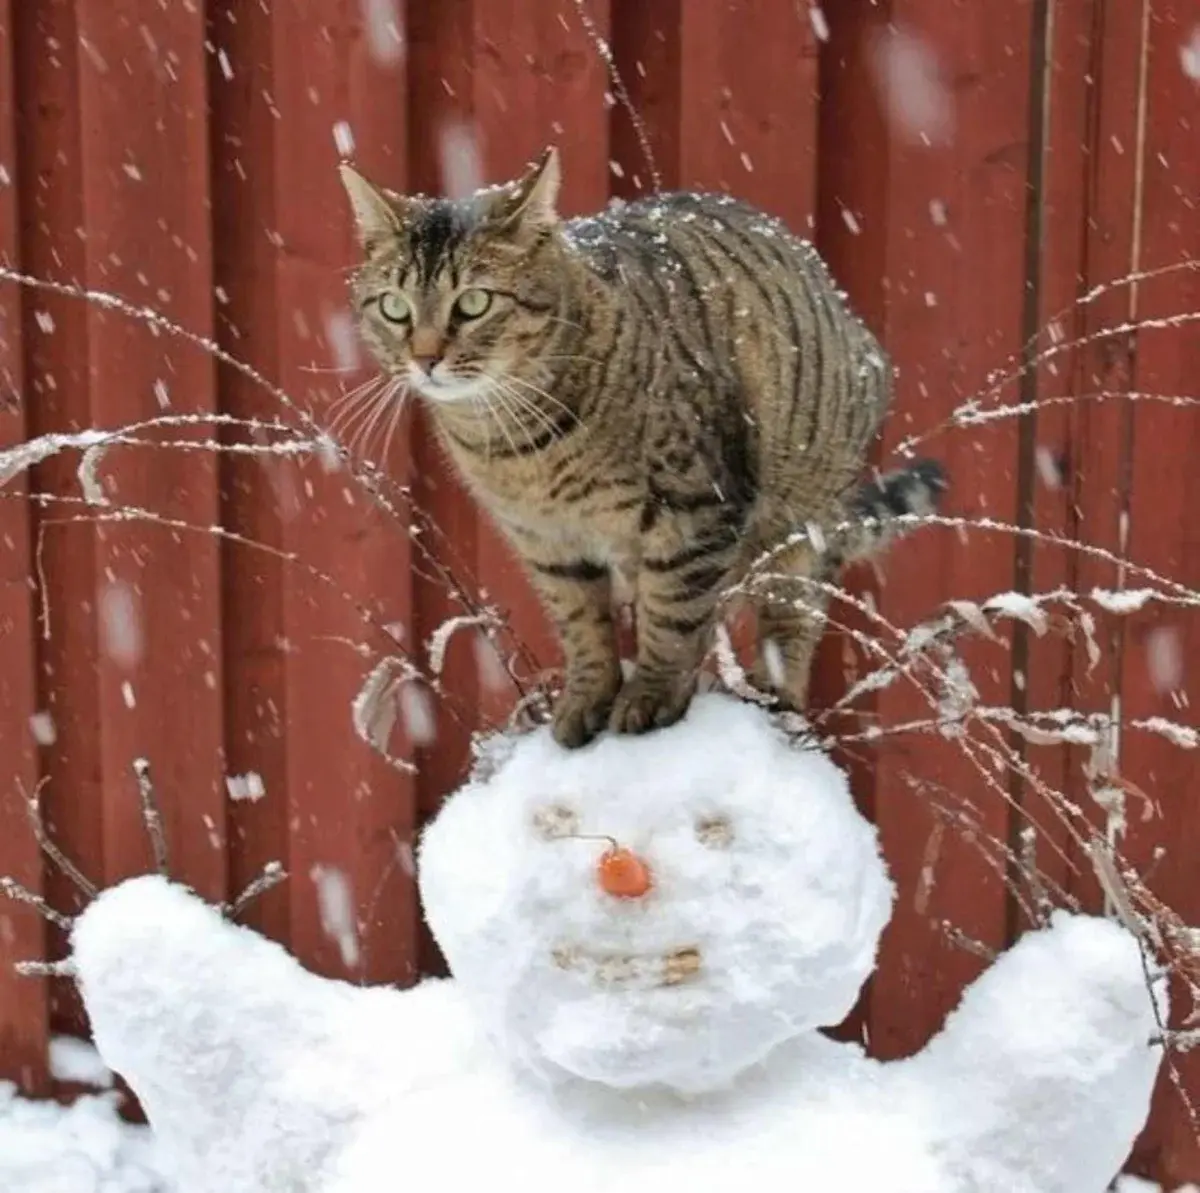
656, 394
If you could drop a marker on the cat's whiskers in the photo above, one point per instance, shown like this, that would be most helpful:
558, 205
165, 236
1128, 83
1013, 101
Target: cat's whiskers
494, 415
347, 429
351, 402
398, 406
537, 389
499, 394
494, 387
390, 419
381, 403
530, 407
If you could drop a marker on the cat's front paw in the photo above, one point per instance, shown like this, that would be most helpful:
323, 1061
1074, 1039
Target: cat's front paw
579, 716
647, 702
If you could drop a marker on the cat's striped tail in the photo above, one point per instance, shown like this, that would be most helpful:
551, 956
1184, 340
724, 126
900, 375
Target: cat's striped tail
876, 512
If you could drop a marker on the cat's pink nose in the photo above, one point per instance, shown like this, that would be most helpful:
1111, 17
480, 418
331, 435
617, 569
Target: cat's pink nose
427, 363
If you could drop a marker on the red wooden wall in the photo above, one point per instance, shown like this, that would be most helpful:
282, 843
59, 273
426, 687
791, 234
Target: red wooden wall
968, 167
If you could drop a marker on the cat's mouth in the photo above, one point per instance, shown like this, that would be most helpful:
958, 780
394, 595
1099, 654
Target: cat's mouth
445, 388
672, 968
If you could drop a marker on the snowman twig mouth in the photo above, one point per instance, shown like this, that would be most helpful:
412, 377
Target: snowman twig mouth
672, 968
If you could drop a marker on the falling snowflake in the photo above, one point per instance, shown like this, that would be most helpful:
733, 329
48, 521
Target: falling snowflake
462, 168
44, 731
1164, 659
343, 342
120, 624
343, 138
489, 665
248, 787
336, 905
911, 85
1048, 468
1189, 55
385, 41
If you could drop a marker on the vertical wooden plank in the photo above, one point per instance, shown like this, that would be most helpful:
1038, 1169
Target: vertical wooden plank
1088, 242
727, 95
156, 591
1161, 655
647, 46
747, 106
351, 816
1100, 430
1043, 667
241, 143
952, 211
24, 1006
56, 330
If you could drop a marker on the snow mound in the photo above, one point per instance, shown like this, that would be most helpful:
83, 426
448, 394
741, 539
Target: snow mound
82, 1148
257, 1075
767, 902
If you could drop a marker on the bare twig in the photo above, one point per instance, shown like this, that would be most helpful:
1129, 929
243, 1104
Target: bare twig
22, 894
976, 947
1177, 1041
1042, 902
33, 809
1100, 854
45, 969
152, 816
272, 875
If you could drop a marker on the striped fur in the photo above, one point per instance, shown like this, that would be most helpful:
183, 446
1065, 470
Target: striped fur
658, 393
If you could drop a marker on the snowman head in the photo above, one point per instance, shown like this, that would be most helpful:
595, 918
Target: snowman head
658, 910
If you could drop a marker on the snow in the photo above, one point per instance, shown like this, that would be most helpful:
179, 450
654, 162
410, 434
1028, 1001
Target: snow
23, 456
784, 917
77, 1061
915, 93
248, 787
1128, 600
83, 1148
259, 1076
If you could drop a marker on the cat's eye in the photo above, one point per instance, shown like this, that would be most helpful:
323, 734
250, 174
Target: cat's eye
395, 308
472, 303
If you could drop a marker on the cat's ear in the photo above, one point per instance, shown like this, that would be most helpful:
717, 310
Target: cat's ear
533, 197
375, 215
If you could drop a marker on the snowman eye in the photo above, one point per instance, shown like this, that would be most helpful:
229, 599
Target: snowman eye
714, 831
555, 822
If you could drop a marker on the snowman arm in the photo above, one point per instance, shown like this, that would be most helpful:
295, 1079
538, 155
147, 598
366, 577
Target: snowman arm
1048, 1063
180, 997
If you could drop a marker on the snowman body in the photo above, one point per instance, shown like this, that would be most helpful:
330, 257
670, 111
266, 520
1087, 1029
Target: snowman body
813, 1109
600, 1041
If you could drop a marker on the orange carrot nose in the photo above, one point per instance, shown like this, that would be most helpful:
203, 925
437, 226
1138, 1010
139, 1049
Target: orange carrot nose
623, 874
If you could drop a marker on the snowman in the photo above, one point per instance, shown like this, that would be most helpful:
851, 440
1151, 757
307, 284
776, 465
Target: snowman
645, 937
